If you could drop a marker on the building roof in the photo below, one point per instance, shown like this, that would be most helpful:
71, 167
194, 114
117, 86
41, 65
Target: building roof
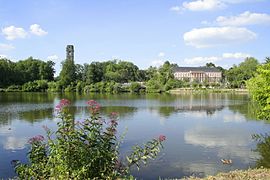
188, 69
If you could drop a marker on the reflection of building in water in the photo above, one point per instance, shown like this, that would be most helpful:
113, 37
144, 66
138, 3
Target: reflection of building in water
209, 109
200, 102
199, 74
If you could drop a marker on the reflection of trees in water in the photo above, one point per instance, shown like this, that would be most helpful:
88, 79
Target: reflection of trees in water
78, 96
36, 115
6, 118
83, 111
121, 110
263, 148
28, 116
15, 97
247, 109
167, 111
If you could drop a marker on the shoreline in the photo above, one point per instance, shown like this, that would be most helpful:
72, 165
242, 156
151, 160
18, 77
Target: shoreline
254, 174
190, 90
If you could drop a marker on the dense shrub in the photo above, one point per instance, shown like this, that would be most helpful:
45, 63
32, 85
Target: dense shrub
54, 87
259, 87
83, 150
134, 87
35, 86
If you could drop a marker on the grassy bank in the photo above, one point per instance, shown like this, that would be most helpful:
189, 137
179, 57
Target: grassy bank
250, 174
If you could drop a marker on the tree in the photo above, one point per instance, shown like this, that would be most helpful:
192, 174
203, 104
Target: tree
68, 73
238, 75
210, 65
267, 60
259, 87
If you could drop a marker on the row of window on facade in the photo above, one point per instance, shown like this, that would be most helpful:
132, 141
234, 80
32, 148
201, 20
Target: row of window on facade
200, 74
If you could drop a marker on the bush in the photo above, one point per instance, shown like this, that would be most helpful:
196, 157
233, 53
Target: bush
259, 87
134, 87
79, 86
54, 87
82, 150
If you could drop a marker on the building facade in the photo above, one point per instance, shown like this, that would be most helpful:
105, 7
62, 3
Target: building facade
198, 74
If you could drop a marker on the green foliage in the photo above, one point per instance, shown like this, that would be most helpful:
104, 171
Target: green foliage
54, 87
35, 86
134, 87
83, 150
68, 73
259, 87
112, 71
24, 71
79, 87
162, 79
238, 75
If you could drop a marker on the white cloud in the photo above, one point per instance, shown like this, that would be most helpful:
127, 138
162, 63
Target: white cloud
6, 47
37, 30
157, 63
246, 18
203, 5
229, 141
201, 60
235, 55
161, 54
213, 36
12, 32
15, 143
207, 5
52, 57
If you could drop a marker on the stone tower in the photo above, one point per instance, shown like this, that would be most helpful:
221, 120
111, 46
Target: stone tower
70, 52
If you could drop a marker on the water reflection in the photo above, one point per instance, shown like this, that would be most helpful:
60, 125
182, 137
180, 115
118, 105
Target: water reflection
230, 142
200, 128
263, 148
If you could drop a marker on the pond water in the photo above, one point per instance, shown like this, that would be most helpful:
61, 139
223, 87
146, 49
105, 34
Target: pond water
201, 129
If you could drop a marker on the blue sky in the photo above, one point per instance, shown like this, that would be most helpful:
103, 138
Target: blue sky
188, 32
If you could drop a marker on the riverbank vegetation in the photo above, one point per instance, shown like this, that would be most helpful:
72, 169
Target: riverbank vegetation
259, 87
34, 75
250, 174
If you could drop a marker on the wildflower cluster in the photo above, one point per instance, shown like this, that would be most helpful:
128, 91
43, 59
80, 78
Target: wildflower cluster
94, 107
36, 139
82, 150
162, 138
62, 103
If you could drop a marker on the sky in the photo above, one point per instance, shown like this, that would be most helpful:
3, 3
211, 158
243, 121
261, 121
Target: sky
145, 32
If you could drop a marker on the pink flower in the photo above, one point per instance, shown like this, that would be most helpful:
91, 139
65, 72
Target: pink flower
37, 138
93, 106
162, 138
62, 103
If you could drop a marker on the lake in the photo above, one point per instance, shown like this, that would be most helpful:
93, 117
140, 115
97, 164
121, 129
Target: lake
201, 129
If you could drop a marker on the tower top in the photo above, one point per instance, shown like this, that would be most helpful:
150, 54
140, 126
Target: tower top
70, 52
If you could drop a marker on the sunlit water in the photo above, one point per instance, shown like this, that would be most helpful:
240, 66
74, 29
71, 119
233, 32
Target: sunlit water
201, 129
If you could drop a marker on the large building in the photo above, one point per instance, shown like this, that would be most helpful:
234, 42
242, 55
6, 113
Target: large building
199, 74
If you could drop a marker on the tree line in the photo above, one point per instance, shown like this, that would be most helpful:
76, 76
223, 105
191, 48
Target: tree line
110, 76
